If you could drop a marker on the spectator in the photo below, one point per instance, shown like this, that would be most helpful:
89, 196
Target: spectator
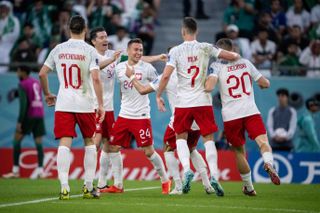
264, 23
242, 45
240, 13
78, 8
200, 14
60, 28
310, 57
298, 15
40, 17
307, 140
295, 37
263, 50
45, 51
278, 17
30, 120
282, 123
315, 14
23, 53
120, 40
9, 33
289, 63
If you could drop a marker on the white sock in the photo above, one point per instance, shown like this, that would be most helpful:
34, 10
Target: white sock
212, 158
173, 168
15, 169
117, 168
246, 178
267, 157
159, 166
183, 154
90, 164
200, 165
104, 167
63, 164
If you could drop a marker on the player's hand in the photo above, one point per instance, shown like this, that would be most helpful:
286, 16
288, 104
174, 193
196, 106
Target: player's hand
163, 57
19, 127
116, 55
100, 113
50, 99
161, 104
129, 71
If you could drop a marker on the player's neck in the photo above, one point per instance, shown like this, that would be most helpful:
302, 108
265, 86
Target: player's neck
77, 36
189, 38
132, 63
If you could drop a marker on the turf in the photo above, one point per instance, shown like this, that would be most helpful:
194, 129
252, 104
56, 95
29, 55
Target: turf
284, 198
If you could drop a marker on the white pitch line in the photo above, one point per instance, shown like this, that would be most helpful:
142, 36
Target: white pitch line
72, 196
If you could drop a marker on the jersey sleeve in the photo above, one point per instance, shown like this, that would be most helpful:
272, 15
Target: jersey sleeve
94, 62
172, 60
213, 50
255, 74
214, 69
152, 73
49, 62
155, 83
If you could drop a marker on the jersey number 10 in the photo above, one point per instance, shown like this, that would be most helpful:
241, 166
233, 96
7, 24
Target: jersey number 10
68, 76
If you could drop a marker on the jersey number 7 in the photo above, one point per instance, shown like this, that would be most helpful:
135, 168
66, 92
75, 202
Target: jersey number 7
196, 73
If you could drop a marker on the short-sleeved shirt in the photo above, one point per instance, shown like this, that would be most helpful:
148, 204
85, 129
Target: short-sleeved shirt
235, 85
134, 105
74, 60
190, 59
171, 91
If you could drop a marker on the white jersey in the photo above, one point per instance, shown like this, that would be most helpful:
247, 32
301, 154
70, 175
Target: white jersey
235, 85
107, 78
191, 60
134, 105
171, 91
74, 60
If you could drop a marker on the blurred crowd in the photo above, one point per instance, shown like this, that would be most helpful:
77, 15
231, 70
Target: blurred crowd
29, 29
283, 35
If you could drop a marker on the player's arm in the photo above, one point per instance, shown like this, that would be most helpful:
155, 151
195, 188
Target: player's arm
143, 90
97, 85
162, 85
43, 76
103, 64
154, 58
228, 55
210, 83
263, 82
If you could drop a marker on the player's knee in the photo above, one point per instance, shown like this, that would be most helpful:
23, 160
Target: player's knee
113, 148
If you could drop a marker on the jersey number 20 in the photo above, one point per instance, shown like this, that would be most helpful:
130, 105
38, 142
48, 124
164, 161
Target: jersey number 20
239, 82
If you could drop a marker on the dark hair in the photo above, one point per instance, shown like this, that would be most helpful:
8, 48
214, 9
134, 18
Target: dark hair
24, 68
282, 91
28, 24
135, 40
311, 102
190, 25
225, 43
77, 24
119, 28
93, 33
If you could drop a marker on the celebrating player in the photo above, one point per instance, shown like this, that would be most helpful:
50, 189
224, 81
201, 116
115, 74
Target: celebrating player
240, 113
78, 71
190, 59
169, 138
134, 118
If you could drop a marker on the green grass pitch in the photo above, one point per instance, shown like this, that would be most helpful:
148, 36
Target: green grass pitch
24, 195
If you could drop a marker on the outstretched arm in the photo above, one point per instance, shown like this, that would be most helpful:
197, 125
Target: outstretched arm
228, 55
154, 58
143, 90
108, 61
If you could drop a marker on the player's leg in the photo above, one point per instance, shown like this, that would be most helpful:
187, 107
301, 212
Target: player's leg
244, 170
172, 163
256, 130
205, 119
38, 133
15, 173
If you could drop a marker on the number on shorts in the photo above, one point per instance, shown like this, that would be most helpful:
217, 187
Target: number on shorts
68, 79
195, 74
237, 82
144, 134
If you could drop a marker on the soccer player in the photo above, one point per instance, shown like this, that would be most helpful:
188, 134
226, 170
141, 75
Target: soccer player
169, 138
30, 120
240, 113
134, 118
190, 59
77, 65
108, 59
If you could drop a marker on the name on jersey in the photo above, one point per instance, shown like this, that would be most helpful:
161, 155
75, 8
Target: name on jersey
70, 56
192, 58
236, 67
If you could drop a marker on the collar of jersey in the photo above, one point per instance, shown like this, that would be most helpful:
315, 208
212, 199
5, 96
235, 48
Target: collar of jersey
72, 39
188, 42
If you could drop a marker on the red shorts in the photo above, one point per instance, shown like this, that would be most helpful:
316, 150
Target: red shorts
235, 129
203, 115
105, 127
124, 128
169, 138
65, 123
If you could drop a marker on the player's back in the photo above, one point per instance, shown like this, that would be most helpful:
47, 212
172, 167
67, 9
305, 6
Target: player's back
191, 60
73, 61
236, 89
